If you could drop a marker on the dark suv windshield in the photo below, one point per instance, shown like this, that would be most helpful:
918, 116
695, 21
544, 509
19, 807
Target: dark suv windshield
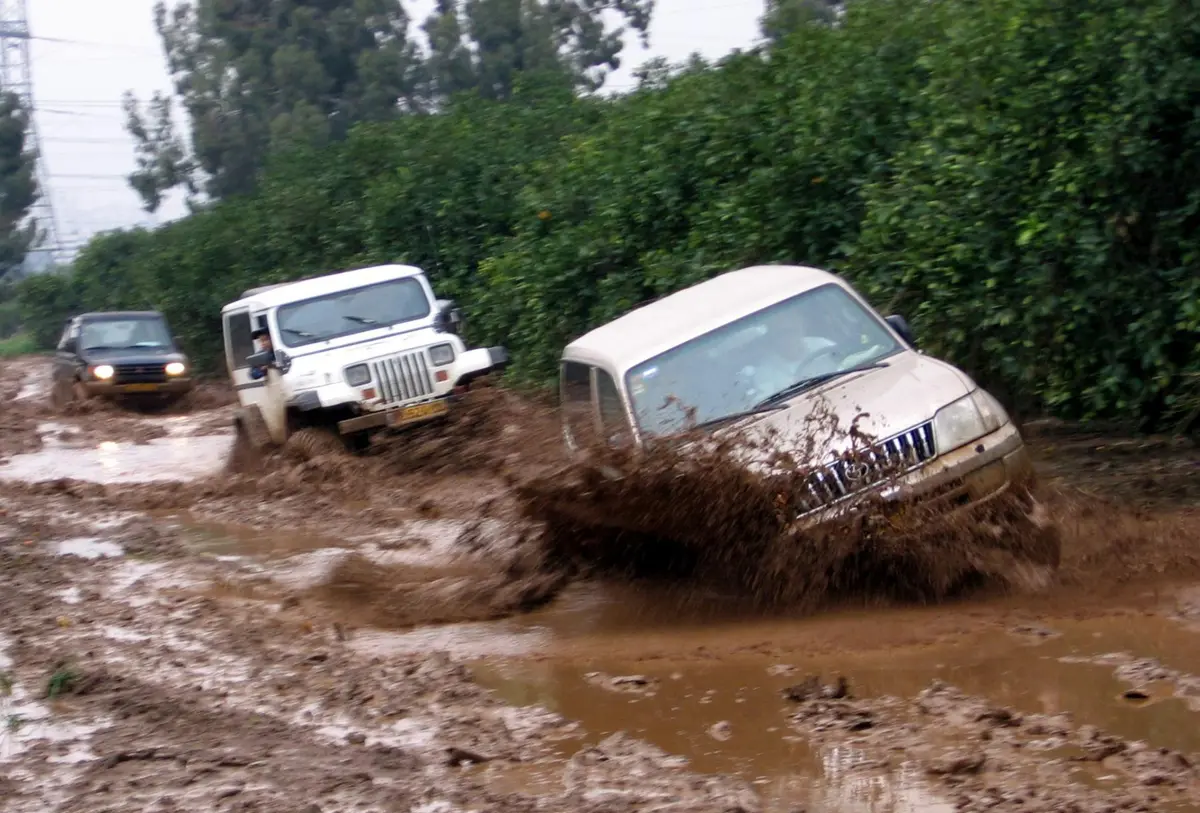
353, 311
124, 334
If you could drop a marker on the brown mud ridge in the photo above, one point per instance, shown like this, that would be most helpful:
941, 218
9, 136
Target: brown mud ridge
988, 757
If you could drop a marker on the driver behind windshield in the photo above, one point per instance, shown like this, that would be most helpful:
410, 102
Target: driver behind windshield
791, 350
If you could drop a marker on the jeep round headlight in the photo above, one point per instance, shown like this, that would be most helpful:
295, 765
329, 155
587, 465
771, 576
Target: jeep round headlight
103, 371
966, 419
441, 354
358, 375
176, 368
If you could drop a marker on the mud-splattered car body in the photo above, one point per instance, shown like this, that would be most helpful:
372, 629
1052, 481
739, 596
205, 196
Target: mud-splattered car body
764, 351
349, 353
130, 355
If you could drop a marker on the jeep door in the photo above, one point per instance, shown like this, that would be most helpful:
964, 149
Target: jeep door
239, 346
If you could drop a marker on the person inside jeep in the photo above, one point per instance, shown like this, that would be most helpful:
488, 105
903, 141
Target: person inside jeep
262, 344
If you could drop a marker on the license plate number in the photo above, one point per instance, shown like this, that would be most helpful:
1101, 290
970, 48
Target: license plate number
140, 387
419, 412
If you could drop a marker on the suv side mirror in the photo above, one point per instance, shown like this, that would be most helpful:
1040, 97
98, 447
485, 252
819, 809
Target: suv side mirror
264, 358
71, 346
900, 325
448, 318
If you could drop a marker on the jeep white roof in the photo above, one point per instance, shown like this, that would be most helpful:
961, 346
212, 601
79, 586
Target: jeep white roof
668, 322
272, 296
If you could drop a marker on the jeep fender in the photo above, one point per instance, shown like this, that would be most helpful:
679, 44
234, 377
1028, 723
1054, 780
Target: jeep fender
477, 363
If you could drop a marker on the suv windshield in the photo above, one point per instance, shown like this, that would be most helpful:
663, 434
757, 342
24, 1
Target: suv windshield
353, 311
741, 364
124, 334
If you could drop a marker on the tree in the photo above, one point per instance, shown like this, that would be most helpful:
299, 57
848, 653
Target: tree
782, 17
484, 45
257, 77
18, 185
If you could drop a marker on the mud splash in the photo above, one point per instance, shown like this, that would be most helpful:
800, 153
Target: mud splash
695, 508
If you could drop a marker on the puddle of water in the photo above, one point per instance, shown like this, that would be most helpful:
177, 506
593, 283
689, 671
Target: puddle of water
87, 547
35, 387
709, 662
457, 640
160, 460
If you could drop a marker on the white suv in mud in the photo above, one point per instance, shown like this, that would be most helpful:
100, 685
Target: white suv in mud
352, 352
765, 348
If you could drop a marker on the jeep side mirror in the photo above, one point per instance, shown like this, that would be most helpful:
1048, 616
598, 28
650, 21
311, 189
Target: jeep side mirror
448, 318
264, 358
900, 325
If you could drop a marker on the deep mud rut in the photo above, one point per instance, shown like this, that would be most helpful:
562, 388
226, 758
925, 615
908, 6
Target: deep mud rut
382, 634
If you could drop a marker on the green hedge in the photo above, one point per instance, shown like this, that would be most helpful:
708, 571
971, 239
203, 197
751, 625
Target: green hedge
1019, 177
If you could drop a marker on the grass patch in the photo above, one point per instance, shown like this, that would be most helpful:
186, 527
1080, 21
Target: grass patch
61, 682
21, 344
6, 684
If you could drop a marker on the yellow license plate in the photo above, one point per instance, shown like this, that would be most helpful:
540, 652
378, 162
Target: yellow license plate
140, 387
419, 412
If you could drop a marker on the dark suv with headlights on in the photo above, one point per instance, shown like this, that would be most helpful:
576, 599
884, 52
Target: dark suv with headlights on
130, 355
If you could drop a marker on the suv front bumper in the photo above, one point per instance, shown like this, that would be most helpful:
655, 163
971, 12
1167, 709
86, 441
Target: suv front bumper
173, 386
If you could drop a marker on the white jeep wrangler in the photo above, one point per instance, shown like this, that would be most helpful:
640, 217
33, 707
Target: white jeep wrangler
349, 353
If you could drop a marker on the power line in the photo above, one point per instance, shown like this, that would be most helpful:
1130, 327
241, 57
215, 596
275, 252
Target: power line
16, 76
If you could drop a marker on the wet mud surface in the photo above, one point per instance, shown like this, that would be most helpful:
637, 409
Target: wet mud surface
396, 632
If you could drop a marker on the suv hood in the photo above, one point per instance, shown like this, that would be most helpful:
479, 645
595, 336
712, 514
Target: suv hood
133, 355
887, 400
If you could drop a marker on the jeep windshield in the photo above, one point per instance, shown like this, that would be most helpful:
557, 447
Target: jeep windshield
134, 333
757, 361
347, 312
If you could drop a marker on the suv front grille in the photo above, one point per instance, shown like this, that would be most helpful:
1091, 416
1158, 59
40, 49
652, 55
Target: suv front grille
403, 377
139, 373
859, 471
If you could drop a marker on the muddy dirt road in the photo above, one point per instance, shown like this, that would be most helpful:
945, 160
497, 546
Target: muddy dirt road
330, 635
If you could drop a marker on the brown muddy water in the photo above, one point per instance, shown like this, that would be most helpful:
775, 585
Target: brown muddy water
703, 676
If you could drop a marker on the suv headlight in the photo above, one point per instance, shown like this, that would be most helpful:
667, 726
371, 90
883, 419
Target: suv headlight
103, 371
441, 354
176, 368
966, 419
358, 375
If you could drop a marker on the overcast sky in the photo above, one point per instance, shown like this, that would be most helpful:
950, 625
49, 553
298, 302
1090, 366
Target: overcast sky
114, 48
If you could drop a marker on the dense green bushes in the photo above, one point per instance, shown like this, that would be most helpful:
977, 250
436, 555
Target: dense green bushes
1020, 177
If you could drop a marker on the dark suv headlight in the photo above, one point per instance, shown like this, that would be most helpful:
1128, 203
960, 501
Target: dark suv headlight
358, 375
441, 354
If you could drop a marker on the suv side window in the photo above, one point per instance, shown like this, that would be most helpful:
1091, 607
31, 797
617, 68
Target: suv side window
614, 421
576, 395
241, 346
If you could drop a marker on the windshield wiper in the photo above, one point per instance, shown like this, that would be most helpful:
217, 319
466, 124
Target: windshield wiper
301, 333
733, 416
814, 381
362, 320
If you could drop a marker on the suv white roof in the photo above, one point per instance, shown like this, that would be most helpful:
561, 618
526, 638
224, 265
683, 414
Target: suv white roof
272, 296
668, 322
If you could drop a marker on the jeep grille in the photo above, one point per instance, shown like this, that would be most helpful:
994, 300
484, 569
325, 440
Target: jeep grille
864, 469
403, 377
